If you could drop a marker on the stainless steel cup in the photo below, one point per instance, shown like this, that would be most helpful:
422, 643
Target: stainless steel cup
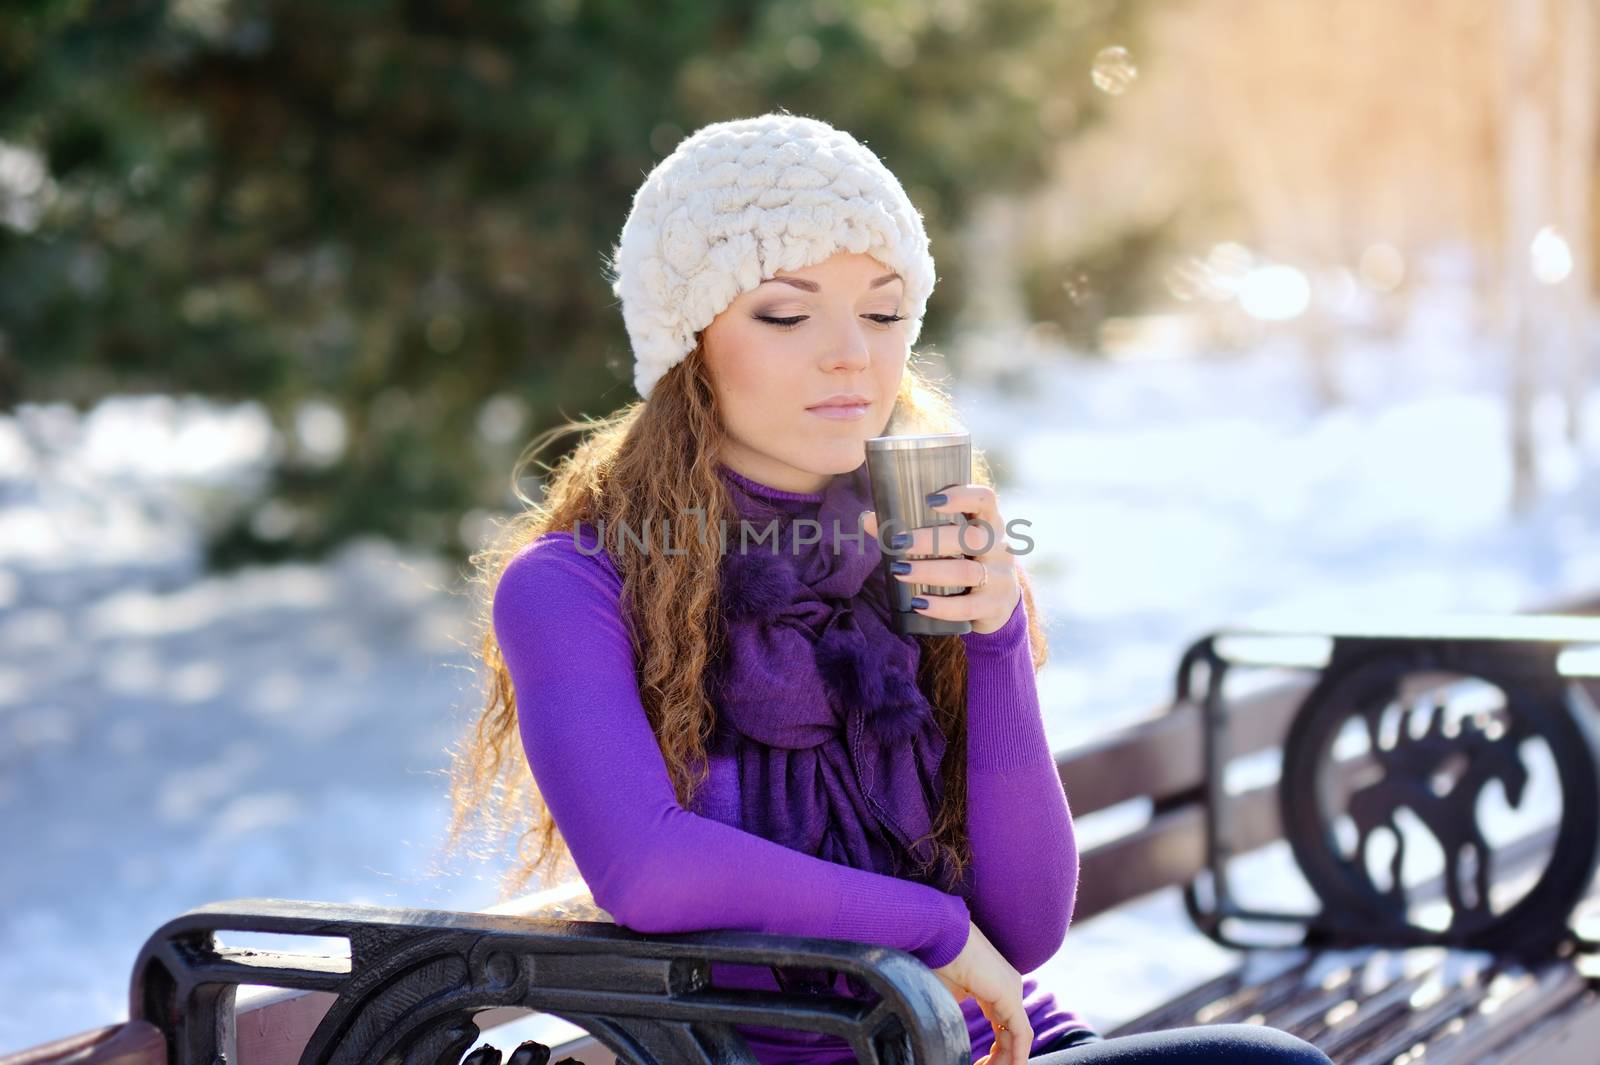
904, 470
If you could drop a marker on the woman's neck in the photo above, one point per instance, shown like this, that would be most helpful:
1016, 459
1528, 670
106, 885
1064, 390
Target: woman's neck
756, 488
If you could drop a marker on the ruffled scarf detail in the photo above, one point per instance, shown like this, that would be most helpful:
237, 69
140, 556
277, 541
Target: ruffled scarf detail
838, 751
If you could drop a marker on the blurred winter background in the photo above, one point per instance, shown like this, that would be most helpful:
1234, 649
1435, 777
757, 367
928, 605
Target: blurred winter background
1253, 306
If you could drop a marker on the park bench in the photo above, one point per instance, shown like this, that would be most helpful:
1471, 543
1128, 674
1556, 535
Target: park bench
1484, 960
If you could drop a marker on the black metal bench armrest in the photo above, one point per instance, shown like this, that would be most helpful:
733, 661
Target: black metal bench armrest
414, 980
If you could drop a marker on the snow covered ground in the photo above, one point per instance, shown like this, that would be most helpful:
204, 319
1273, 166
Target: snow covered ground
169, 738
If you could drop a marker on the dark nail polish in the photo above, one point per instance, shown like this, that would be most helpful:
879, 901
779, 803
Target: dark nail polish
899, 567
937, 499
918, 603
900, 540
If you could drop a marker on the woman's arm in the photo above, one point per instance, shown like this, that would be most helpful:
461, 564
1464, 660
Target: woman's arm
650, 863
1024, 853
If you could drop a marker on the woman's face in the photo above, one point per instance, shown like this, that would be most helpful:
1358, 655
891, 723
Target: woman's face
836, 335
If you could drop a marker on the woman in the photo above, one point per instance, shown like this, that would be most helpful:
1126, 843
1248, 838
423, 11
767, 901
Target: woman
723, 736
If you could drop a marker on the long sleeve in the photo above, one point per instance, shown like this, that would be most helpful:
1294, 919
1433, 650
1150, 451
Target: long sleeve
649, 862
1024, 853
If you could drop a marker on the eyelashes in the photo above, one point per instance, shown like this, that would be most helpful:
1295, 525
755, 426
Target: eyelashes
789, 323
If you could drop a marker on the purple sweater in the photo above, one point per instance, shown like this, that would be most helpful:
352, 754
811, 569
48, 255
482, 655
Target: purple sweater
658, 867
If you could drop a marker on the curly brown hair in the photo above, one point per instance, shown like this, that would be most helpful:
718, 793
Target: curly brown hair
632, 468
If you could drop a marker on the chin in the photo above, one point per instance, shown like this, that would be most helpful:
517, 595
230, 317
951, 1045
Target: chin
841, 456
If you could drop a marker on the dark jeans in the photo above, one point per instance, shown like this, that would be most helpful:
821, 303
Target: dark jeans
1206, 1044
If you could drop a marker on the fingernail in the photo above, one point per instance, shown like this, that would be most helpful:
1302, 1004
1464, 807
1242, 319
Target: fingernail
918, 603
900, 539
937, 499
899, 567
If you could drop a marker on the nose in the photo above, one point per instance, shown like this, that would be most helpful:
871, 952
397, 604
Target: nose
849, 351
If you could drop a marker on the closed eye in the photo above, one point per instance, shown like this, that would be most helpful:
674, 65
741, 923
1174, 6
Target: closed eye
884, 320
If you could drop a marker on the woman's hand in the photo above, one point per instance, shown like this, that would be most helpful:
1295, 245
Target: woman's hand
946, 560
982, 972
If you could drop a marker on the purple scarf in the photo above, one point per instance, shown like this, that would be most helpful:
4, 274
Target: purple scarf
837, 748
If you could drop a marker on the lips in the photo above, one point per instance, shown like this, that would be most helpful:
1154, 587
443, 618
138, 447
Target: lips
842, 402
836, 412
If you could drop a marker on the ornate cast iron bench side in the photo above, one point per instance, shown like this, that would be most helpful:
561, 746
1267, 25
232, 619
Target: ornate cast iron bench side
415, 980
1483, 961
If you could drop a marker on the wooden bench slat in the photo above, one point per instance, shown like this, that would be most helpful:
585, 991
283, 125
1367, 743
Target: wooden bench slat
1361, 1015
1162, 758
1488, 1018
1249, 995
1169, 850
128, 1043
1568, 1036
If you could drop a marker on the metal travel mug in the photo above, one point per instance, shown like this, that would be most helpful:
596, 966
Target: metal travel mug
904, 471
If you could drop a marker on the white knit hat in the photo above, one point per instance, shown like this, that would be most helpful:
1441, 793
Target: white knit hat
738, 201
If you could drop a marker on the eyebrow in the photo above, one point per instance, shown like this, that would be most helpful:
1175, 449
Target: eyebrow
812, 286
